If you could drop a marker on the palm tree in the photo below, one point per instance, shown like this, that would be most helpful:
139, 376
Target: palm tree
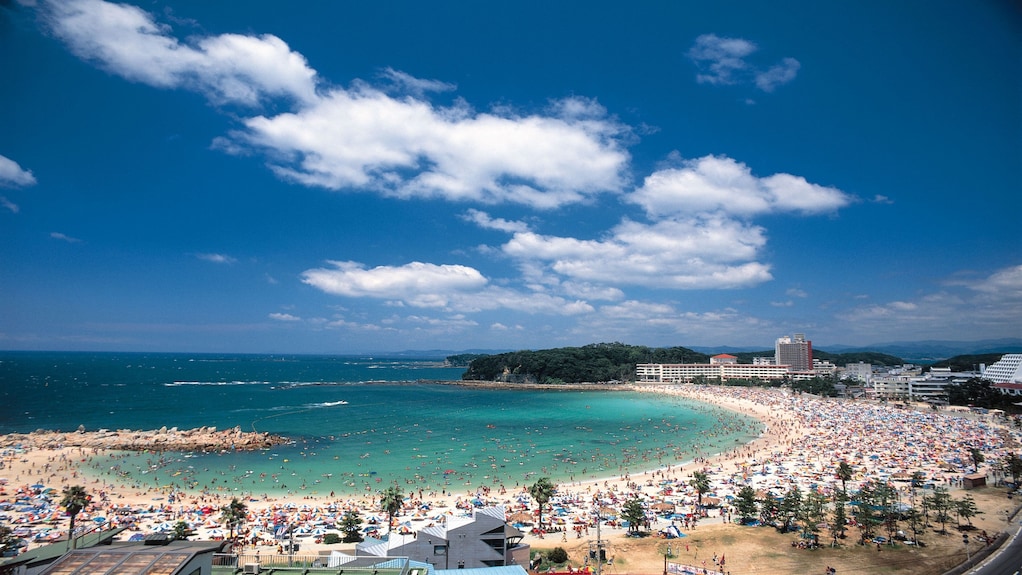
542, 491
390, 501
844, 473
701, 483
75, 499
232, 514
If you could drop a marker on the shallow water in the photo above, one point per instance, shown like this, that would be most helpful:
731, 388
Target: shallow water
352, 436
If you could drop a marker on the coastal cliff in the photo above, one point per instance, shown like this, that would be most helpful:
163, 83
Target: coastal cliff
164, 439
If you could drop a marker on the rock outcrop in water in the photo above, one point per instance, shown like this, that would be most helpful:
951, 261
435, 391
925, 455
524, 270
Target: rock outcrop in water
165, 439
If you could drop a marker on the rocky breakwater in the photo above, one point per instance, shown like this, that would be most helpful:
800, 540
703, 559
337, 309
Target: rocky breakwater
203, 439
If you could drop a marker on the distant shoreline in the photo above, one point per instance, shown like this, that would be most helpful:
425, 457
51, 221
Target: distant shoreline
481, 384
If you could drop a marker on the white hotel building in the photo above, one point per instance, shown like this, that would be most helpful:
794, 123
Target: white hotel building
793, 359
721, 368
1006, 374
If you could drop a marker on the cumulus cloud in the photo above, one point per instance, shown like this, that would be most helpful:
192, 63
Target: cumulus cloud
390, 139
699, 233
285, 317
723, 61
681, 254
721, 184
216, 258
229, 68
11, 174
416, 281
454, 288
363, 137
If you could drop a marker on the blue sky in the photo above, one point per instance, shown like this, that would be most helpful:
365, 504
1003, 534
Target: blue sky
345, 177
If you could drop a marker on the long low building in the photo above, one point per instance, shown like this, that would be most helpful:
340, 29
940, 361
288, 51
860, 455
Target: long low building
721, 368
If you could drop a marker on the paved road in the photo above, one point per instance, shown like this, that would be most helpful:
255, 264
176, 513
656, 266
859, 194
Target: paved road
1008, 561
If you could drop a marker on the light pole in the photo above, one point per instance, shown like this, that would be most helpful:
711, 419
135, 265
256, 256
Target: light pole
667, 555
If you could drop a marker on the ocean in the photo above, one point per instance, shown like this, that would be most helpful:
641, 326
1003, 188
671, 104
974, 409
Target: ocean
358, 424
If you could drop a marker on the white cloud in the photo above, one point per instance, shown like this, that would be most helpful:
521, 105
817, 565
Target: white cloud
13, 207
483, 220
708, 253
365, 139
415, 281
454, 323
230, 68
721, 184
672, 323
588, 291
1004, 282
723, 61
64, 237
633, 310
285, 317
11, 174
778, 75
216, 258
720, 57
417, 87
360, 138
453, 288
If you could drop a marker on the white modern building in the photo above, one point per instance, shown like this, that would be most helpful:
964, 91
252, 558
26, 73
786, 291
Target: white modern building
483, 540
909, 382
1006, 374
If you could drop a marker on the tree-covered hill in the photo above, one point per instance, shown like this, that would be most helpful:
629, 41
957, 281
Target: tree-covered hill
597, 362
872, 357
968, 362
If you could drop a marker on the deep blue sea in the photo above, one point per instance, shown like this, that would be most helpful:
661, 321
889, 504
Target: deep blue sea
358, 423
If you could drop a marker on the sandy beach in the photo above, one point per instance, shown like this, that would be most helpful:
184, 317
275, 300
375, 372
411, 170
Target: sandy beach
804, 440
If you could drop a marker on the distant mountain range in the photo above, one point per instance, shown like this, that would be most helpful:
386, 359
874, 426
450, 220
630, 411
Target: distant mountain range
927, 351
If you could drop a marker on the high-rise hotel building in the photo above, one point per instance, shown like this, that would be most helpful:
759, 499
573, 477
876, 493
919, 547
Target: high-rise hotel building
796, 352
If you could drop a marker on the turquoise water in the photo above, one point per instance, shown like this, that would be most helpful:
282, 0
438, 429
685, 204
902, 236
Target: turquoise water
355, 429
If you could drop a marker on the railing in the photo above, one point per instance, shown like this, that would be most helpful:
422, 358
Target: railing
368, 565
268, 560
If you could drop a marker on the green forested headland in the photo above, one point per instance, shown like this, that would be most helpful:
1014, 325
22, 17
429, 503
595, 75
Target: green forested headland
596, 362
